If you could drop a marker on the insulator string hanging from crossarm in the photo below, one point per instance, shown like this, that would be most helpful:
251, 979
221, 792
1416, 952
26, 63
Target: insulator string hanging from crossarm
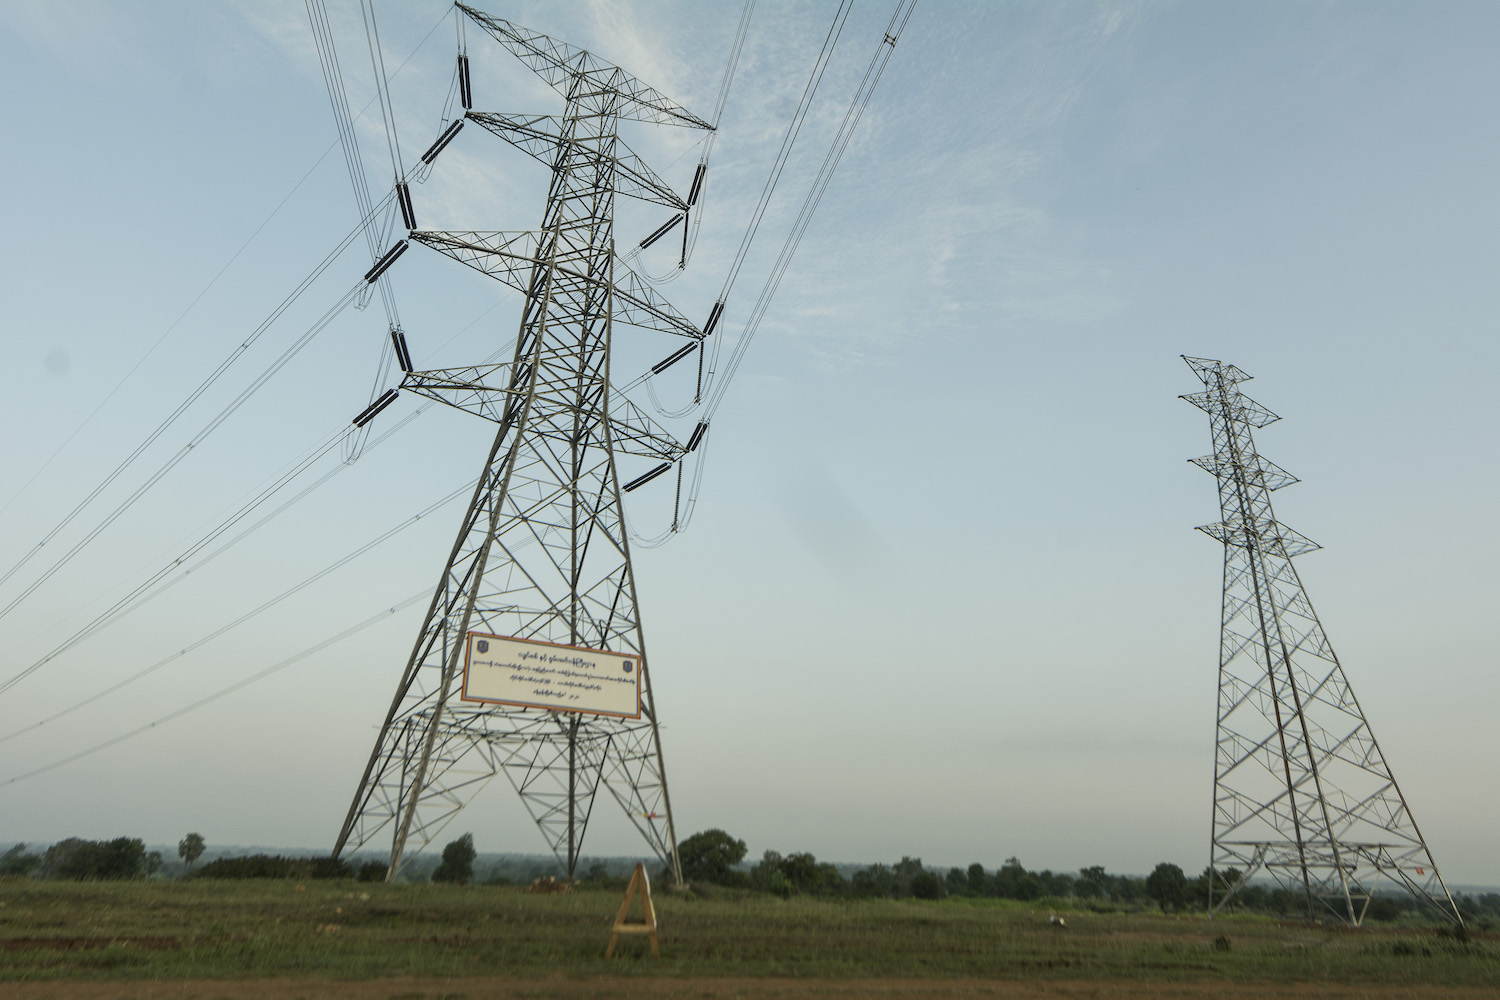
783, 153
700, 173
212, 281
145, 593
819, 186
380, 229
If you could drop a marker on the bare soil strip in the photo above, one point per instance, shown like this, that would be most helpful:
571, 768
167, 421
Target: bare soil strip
632, 987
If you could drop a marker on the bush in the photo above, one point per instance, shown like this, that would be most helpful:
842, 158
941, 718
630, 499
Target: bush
927, 885
121, 858
373, 871
17, 862
275, 866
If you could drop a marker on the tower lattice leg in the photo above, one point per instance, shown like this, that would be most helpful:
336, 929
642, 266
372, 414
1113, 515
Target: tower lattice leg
1302, 792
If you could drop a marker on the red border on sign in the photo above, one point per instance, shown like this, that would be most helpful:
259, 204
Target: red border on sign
464, 695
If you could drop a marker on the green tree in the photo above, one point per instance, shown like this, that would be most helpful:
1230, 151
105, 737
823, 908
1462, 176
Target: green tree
769, 876
980, 883
711, 856
874, 882
153, 863
1091, 882
1013, 881
1168, 886
905, 870
190, 848
927, 885
806, 875
17, 862
458, 861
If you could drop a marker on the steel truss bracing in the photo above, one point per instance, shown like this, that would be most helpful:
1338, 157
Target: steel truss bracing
542, 552
1302, 791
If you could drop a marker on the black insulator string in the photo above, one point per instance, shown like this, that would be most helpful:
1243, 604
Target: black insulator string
203, 387
783, 153
788, 141
204, 291
814, 197
224, 366
810, 204
134, 600
375, 235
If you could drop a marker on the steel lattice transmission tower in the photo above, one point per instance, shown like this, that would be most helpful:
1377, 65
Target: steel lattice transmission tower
542, 553
1301, 789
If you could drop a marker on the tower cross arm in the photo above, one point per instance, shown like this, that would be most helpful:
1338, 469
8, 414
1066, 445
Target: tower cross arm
558, 63
1233, 404
490, 391
635, 433
1257, 471
1275, 536
512, 258
484, 390
540, 136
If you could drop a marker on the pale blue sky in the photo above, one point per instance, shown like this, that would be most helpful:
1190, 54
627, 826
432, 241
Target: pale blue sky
942, 596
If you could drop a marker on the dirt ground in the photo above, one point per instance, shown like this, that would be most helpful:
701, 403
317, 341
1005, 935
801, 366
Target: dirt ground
629, 988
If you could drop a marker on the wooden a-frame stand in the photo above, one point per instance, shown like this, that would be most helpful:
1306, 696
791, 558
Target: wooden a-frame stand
640, 886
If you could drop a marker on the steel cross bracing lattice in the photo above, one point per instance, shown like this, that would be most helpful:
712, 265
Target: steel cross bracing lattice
1302, 791
542, 552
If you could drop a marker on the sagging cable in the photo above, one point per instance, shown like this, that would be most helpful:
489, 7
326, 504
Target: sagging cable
385, 262
640, 481
465, 93
442, 142
403, 198
675, 357
663, 230
697, 437
373, 410
403, 356
713, 317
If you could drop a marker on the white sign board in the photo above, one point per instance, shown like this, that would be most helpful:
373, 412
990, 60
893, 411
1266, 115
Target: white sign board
505, 671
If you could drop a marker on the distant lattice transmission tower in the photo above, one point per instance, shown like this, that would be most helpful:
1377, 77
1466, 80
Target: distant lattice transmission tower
1302, 791
542, 555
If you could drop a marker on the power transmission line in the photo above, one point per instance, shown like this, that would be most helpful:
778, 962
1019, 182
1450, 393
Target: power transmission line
205, 289
297, 588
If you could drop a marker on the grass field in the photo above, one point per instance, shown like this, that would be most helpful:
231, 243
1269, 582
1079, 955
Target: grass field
346, 931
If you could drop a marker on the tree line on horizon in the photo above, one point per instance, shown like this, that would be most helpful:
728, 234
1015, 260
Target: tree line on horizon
713, 857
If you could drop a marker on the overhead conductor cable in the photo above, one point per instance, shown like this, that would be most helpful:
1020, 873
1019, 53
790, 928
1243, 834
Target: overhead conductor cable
820, 183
